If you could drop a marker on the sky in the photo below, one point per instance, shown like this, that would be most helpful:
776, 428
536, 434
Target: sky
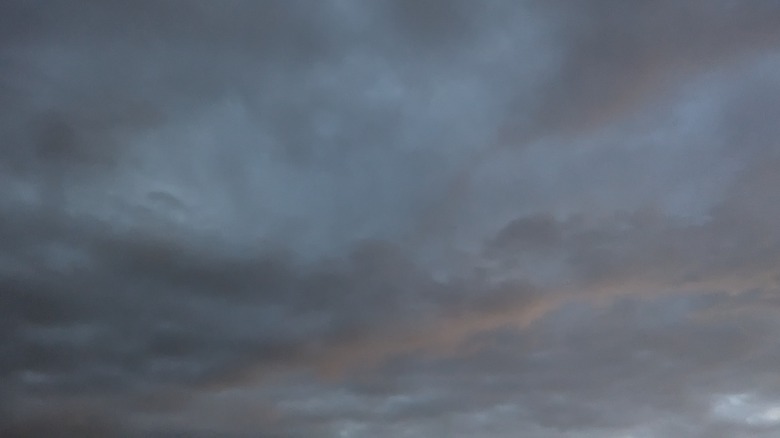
390, 218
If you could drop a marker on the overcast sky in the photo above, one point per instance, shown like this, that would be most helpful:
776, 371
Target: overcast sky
390, 218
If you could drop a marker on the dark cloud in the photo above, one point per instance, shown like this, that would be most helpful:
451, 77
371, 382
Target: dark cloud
391, 218
618, 57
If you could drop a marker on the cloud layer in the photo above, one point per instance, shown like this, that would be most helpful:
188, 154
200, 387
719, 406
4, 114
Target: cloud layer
390, 218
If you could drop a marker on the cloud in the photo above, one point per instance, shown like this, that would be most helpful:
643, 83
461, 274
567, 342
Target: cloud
430, 218
618, 58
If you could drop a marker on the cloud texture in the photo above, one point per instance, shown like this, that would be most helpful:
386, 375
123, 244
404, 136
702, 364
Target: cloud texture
425, 218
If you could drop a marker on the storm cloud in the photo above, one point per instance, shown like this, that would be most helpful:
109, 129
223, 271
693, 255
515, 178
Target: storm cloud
388, 218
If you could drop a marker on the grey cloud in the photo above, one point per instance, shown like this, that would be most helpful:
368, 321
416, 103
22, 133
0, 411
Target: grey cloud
302, 219
626, 365
617, 58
